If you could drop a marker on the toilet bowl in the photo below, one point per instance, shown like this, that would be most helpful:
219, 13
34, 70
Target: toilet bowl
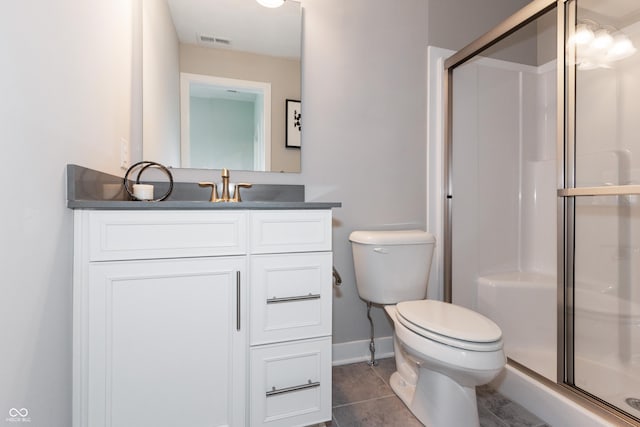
442, 351
440, 359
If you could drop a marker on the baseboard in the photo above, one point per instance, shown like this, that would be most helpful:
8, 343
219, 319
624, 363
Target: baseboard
358, 351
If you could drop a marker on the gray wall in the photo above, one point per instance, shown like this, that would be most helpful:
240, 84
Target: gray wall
364, 88
547, 31
66, 99
452, 24
455, 23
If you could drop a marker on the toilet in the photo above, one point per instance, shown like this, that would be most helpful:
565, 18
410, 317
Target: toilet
442, 351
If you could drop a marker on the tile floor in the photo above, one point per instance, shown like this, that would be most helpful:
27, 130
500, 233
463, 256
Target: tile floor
362, 397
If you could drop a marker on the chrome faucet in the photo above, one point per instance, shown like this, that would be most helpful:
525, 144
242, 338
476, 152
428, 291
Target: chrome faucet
225, 189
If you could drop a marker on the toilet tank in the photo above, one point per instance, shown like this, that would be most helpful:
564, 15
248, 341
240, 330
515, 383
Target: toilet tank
392, 266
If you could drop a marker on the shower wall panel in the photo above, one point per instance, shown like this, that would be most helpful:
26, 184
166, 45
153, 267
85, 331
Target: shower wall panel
466, 196
500, 125
503, 173
538, 190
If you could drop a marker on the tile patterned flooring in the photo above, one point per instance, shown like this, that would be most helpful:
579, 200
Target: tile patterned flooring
362, 397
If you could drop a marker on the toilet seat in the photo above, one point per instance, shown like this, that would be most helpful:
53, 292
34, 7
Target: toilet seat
450, 324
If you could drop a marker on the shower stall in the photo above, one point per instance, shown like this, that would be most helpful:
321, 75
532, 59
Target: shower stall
541, 195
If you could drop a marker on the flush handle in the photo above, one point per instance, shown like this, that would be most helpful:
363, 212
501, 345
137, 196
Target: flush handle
337, 280
381, 250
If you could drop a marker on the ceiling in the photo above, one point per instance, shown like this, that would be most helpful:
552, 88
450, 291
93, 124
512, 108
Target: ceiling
618, 12
248, 26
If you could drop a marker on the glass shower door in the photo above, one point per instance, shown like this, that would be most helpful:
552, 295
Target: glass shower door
602, 201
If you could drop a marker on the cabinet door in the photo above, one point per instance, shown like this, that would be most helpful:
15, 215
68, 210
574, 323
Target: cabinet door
165, 343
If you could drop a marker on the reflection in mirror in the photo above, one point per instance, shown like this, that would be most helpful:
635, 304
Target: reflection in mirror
226, 123
222, 40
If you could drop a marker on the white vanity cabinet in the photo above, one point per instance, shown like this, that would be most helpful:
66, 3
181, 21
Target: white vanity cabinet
202, 318
290, 306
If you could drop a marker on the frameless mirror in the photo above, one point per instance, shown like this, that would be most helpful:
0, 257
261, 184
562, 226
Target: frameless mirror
216, 78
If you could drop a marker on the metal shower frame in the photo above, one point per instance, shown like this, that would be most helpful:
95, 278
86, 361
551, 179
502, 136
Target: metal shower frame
566, 183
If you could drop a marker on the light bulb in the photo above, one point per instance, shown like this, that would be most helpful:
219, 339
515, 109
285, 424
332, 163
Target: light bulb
586, 66
602, 39
622, 48
271, 3
583, 35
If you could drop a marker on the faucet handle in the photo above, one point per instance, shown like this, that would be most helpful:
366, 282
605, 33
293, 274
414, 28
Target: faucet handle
214, 190
236, 193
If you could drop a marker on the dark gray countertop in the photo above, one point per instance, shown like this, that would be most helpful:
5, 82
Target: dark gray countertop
188, 205
88, 189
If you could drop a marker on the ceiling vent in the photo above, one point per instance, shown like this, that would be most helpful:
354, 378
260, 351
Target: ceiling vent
211, 41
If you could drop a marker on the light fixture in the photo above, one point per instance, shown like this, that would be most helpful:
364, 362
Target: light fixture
597, 46
271, 3
583, 35
602, 39
622, 48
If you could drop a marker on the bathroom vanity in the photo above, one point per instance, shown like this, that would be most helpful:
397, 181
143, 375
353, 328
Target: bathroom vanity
202, 316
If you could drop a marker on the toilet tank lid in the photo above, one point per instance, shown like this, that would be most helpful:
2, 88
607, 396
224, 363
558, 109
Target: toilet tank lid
392, 237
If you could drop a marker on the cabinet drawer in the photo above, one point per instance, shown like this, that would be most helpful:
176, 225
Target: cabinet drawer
290, 231
290, 296
121, 235
291, 383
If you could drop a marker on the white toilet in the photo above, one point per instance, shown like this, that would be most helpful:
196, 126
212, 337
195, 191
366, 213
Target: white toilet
442, 351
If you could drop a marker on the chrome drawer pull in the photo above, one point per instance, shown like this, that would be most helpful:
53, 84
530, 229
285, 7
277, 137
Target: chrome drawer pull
238, 304
274, 391
275, 300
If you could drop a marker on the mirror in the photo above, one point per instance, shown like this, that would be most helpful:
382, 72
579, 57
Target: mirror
239, 46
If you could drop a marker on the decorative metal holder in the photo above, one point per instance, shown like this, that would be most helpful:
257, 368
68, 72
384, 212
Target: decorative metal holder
142, 166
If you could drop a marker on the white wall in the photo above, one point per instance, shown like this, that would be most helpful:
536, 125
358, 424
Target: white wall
66, 96
161, 91
165, 57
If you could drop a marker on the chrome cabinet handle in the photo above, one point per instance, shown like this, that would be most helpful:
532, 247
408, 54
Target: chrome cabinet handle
274, 391
275, 300
238, 300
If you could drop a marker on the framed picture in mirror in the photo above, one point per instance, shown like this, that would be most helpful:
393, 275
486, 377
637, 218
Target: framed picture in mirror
294, 123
